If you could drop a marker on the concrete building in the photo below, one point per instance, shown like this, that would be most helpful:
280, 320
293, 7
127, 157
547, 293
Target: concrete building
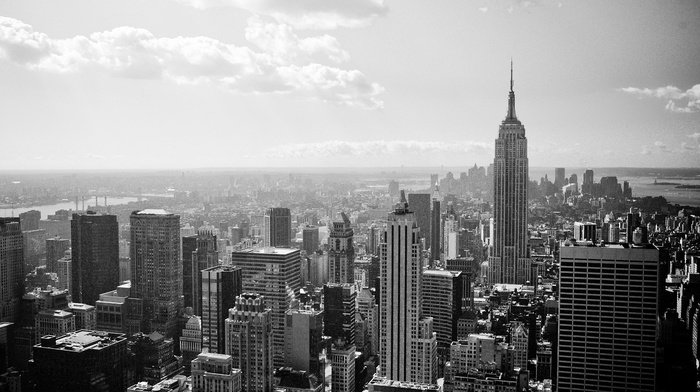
85, 315
303, 339
508, 259
219, 287
368, 308
53, 322
274, 273
310, 239
472, 352
339, 307
81, 361
191, 342
341, 251
249, 341
156, 272
342, 367
64, 273
111, 309
214, 373
56, 248
95, 256
11, 269
406, 338
608, 318
278, 227
585, 231
519, 341
204, 256
420, 205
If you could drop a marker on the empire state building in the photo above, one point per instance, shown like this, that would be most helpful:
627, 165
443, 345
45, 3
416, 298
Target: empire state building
508, 261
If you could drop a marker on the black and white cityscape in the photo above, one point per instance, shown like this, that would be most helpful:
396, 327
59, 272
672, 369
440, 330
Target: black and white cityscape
341, 196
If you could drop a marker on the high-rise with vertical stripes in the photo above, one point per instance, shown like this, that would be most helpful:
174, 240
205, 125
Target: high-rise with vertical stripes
408, 345
508, 259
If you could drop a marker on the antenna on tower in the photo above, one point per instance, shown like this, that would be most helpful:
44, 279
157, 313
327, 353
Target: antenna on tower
511, 74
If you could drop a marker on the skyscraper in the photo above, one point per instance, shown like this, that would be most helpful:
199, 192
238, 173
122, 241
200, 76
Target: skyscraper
156, 272
607, 318
560, 177
204, 256
310, 239
420, 205
304, 344
95, 256
508, 262
278, 227
341, 252
435, 226
403, 332
220, 285
276, 274
55, 249
339, 308
443, 299
249, 342
11, 269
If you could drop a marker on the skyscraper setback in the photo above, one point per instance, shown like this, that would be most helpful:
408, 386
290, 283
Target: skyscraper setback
508, 260
95, 256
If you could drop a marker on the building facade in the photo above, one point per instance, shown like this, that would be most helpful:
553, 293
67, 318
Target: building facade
215, 373
11, 269
607, 318
220, 285
339, 307
278, 227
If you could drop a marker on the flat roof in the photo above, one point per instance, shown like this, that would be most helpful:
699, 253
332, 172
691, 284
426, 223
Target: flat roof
152, 211
268, 250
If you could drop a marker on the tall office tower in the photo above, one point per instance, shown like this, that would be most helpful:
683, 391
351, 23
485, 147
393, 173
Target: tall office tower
420, 204
368, 308
11, 269
55, 249
450, 235
435, 227
189, 245
310, 239
249, 341
220, 285
215, 372
560, 177
402, 330
443, 299
508, 261
276, 274
519, 341
204, 256
95, 256
587, 185
341, 252
156, 271
342, 367
607, 318
81, 361
278, 227
339, 309
303, 339
30, 220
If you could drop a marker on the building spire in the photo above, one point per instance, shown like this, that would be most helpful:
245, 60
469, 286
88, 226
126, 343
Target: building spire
511, 97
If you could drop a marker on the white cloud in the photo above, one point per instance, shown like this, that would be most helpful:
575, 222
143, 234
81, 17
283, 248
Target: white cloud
695, 135
673, 95
645, 150
484, 9
307, 14
661, 146
284, 66
376, 148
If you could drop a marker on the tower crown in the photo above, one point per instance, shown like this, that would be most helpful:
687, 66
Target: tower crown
511, 117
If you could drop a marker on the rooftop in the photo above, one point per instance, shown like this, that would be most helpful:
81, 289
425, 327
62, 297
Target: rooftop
268, 250
152, 211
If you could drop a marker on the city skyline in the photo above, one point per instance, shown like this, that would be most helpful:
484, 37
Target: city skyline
365, 83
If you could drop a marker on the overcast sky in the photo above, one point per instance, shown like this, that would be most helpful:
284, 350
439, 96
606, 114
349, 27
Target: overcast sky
271, 83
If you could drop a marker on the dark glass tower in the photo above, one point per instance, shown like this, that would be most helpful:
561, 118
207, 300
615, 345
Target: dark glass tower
95, 256
508, 261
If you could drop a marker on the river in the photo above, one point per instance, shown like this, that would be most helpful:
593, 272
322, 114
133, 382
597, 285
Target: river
51, 209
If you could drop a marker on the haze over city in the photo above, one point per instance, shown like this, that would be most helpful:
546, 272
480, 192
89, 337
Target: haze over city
365, 83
